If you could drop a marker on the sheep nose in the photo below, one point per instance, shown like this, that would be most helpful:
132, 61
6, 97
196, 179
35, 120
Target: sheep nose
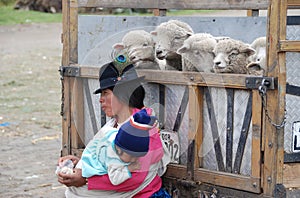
159, 52
218, 63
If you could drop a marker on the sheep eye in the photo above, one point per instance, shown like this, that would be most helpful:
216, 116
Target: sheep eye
145, 44
196, 52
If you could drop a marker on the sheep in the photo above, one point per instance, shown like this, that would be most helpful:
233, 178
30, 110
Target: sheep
198, 51
231, 56
170, 36
140, 47
257, 65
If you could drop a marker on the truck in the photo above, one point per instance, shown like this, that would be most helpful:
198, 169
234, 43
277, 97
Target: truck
228, 135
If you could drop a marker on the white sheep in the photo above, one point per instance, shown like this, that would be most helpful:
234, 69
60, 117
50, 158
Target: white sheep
198, 51
258, 62
140, 47
169, 38
231, 56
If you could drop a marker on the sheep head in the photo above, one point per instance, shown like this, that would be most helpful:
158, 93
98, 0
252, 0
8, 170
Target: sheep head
139, 45
231, 56
259, 57
198, 50
170, 37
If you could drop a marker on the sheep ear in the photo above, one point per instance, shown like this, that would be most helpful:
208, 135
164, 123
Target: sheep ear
118, 46
154, 33
182, 50
249, 50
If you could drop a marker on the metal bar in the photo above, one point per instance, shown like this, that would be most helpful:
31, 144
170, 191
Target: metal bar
181, 110
162, 101
293, 90
291, 157
229, 135
214, 129
191, 160
243, 137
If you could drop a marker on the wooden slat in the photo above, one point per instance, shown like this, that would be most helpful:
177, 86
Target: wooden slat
281, 102
180, 78
273, 151
224, 179
195, 125
294, 3
73, 44
195, 78
175, 4
289, 46
66, 119
291, 174
256, 135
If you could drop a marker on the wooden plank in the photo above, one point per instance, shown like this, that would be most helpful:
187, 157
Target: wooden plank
273, 151
289, 46
291, 174
199, 134
195, 126
66, 117
65, 33
73, 44
256, 135
195, 78
224, 179
180, 78
281, 92
175, 4
293, 3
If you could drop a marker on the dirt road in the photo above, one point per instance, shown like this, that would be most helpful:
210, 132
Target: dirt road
30, 123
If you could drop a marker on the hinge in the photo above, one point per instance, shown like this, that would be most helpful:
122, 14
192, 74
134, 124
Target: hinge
69, 71
255, 82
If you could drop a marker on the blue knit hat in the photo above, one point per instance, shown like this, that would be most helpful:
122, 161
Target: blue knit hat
133, 136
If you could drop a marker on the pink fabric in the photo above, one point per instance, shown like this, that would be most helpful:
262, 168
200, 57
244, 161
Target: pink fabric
154, 154
150, 189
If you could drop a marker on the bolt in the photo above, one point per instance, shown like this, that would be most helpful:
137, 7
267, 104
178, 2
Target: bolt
270, 144
269, 179
254, 184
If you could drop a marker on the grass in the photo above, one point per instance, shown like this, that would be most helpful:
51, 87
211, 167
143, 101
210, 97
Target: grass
10, 16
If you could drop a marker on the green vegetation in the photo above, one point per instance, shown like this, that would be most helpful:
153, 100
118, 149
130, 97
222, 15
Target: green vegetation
10, 16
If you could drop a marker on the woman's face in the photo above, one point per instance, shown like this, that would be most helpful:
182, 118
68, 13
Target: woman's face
106, 102
117, 106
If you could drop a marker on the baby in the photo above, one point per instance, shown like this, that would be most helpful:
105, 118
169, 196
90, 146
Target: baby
117, 152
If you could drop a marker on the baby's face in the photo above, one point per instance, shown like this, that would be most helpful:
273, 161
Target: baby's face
126, 157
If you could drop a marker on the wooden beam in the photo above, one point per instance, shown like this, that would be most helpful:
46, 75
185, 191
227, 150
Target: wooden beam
195, 135
294, 3
175, 4
256, 135
291, 174
289, 46
224, 179
273, 150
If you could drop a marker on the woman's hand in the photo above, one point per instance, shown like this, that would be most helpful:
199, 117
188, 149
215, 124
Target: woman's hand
74, 179
73, 158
